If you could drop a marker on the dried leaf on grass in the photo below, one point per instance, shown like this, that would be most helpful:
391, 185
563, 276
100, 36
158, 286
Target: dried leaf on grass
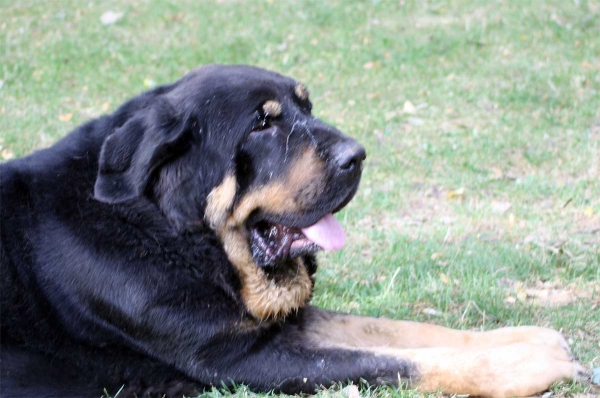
457, 193
496, 173
110, 17
6, 154
409, 108
149, 83
369, 65
65, 117
549, 297
500, 207
437, 255
543, 294
431, 311
445, 279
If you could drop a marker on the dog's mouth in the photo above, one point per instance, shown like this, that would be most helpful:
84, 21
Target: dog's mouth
272, 243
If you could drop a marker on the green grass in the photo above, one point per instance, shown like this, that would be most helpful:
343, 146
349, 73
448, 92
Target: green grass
487, 187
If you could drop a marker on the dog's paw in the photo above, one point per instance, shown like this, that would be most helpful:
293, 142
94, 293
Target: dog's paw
524, 369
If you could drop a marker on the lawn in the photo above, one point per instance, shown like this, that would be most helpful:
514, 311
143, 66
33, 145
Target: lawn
480, 201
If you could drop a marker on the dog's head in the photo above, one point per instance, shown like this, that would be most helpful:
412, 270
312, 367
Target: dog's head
237, 148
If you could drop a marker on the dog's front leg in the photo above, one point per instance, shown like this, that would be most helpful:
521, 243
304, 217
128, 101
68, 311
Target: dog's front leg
286, 363
362, 331
264, 355
494, 364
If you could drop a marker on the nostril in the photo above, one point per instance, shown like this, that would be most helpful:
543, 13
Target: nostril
348, 157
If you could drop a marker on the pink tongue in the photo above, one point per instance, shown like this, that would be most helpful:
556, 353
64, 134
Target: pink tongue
327, 233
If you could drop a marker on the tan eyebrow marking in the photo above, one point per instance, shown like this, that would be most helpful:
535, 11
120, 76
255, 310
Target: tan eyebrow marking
301, 91
272, 108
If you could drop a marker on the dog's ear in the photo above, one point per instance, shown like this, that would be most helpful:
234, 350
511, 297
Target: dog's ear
131, 154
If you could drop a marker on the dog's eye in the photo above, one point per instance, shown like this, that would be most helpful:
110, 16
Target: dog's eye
263, 125
263, 122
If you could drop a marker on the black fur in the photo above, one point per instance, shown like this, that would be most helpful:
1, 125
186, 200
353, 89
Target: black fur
109, 275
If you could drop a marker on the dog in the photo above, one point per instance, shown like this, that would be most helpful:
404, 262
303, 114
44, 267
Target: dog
170, 246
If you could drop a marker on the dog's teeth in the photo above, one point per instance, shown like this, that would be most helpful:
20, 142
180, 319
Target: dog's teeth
272, 232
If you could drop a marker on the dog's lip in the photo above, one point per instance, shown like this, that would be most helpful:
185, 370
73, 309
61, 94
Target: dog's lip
300, 221
291, 221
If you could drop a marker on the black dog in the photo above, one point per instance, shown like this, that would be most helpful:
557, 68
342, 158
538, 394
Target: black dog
170, 246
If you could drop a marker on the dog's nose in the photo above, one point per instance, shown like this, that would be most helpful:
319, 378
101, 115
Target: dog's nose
348, 155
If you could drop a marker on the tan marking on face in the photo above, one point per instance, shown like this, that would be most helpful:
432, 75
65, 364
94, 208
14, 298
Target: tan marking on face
293, 193
220, 201
265, 297
301, 91
272, 108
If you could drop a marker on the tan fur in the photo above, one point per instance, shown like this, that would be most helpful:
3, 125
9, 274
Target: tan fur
301, 91
266, 297
287, 195
501, 363
514, 370
272, 108
360, 331
220, 201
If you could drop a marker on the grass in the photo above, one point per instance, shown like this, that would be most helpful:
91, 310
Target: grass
480, 203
